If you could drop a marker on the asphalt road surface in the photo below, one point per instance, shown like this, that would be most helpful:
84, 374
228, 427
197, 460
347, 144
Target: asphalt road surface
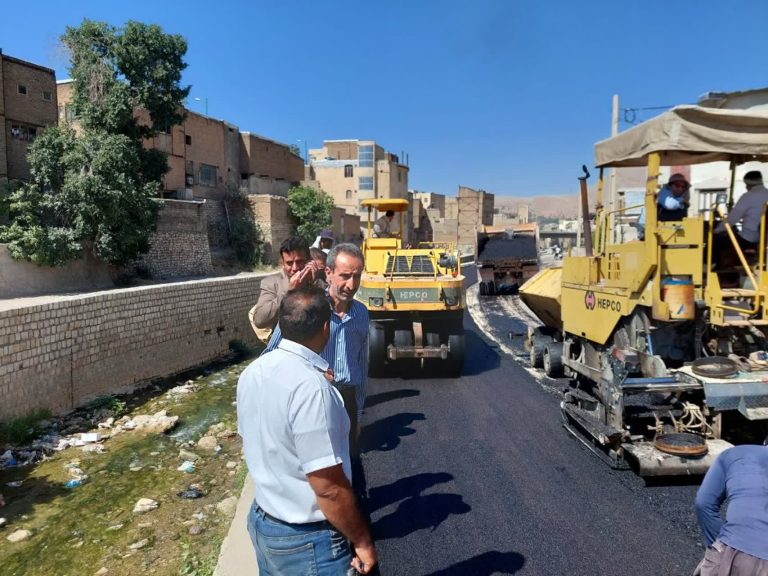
476, 476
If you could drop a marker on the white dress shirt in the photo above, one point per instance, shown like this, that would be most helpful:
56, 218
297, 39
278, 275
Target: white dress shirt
293, 422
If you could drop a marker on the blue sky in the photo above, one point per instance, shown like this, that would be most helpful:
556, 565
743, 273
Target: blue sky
508, 96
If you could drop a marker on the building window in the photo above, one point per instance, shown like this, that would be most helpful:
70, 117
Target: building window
47, 96
188, 140
366, 183
366, 156
25, 133
207, 175
349, 194
399, 175
348, 171
22, 89
189, 175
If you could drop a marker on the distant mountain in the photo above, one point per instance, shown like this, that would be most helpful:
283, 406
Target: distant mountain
569, 205
565, 206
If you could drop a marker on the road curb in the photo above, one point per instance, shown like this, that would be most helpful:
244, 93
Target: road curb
237, 556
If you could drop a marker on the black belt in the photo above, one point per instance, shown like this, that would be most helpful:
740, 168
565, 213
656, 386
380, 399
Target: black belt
319, 524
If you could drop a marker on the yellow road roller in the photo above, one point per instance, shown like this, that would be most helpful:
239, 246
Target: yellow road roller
415, 297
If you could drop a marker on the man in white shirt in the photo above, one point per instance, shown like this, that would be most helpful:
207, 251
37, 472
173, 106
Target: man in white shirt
381, 228
295, 439
749, 209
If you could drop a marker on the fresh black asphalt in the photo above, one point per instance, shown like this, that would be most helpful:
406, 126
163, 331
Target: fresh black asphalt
476, 476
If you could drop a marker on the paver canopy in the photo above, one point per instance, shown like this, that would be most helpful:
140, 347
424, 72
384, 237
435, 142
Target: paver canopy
690, 135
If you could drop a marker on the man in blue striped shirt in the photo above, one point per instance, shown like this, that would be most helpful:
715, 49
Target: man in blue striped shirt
347, 348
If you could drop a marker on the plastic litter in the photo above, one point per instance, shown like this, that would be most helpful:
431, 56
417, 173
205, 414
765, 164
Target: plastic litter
74, 483
191, 494
7, 459
187, 466
14, 484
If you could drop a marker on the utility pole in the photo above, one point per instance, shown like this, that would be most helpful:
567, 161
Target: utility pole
306, 156
205, 102
612, 192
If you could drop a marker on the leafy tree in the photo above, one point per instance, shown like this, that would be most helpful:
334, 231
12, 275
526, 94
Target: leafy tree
310, 210
96, 188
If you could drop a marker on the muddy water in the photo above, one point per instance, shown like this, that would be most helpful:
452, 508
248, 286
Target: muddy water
78, 531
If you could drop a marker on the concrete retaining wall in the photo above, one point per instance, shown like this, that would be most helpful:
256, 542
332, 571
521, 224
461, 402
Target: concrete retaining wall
59, 352
19, 278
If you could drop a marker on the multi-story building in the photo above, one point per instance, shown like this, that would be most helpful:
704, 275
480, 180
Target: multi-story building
454, 219
203, 157
27, 106
267, 166
475, 209
353, 170
207, 156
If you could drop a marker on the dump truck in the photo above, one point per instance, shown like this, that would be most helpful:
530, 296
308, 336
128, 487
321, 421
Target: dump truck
506, 257
665, 347
415, 297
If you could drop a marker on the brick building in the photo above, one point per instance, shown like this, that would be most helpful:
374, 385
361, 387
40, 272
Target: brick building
475, 209
27, 106
453, 219
267, 166
353, 170
207, 156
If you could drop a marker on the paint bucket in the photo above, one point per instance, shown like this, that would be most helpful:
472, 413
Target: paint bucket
678, 293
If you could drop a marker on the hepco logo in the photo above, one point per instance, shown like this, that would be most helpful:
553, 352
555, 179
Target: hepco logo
590, 300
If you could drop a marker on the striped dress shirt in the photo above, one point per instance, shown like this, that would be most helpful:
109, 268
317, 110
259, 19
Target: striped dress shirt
346, 351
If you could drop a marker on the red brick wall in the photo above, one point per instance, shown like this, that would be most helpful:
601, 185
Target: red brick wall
29, 110
264, 157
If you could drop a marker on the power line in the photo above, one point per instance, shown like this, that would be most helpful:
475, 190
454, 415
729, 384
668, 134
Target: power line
630, 114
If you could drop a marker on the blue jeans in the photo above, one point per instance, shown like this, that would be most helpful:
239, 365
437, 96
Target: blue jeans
282, 549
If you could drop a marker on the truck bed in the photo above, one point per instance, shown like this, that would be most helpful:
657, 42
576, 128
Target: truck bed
504, 251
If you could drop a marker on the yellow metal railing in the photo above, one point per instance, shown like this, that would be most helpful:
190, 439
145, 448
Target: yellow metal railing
605, 226
742, 259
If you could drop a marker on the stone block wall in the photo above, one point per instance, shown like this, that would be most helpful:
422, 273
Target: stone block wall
352, 228
180, 247
271, 213
218, 228
61, 352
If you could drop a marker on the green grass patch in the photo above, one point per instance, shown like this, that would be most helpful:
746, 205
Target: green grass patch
22, 430
111, 403
193, 565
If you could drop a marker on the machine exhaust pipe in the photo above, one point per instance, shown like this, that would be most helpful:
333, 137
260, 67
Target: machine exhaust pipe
585, 211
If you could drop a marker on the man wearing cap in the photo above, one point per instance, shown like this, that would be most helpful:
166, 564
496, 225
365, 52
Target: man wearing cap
749, 209
673, 199
737, 546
